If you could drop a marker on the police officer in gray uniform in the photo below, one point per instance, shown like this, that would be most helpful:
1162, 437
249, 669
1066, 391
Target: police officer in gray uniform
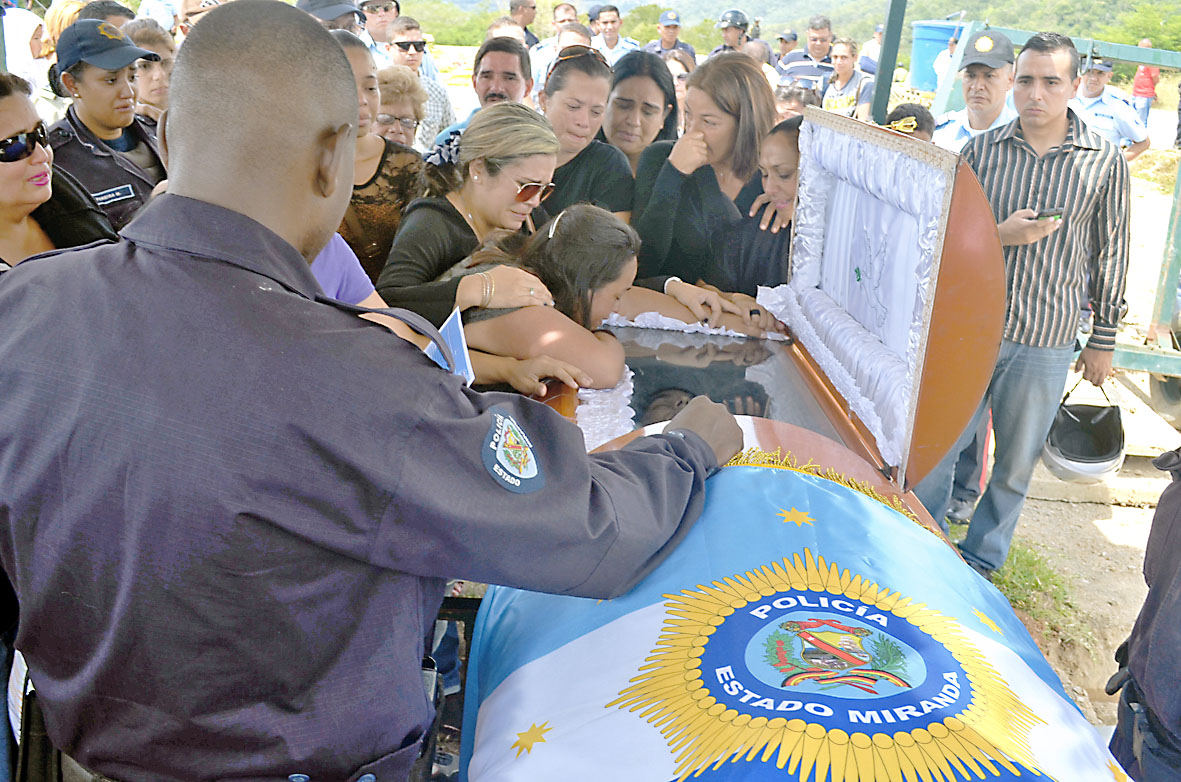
1147, 740
229, 505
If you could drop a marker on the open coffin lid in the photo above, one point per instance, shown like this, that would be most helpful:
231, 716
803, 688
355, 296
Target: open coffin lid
897, 291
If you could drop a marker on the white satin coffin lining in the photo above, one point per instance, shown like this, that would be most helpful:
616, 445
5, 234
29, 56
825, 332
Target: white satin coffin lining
866, 235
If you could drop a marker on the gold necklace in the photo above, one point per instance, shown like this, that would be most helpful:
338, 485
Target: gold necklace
467, 213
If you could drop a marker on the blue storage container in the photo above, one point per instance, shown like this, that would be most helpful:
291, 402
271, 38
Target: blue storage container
930, 38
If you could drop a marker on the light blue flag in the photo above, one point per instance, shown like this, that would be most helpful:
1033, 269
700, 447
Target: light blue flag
804, 630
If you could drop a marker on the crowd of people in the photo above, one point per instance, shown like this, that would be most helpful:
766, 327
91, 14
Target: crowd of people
596, 176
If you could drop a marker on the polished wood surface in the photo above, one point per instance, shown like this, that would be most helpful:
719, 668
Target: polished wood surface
804, 445
966, 327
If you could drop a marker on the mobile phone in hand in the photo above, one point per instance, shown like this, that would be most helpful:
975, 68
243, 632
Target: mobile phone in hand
1053, 213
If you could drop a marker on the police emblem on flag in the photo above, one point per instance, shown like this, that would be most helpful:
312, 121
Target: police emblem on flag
813, 668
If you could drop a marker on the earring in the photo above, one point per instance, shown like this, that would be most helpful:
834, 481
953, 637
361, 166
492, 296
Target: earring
475, 178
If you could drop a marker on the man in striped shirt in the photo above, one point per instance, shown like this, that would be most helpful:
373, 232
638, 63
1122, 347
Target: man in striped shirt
1044, 163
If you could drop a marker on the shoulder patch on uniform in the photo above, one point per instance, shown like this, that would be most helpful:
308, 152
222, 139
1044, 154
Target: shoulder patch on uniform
509, 457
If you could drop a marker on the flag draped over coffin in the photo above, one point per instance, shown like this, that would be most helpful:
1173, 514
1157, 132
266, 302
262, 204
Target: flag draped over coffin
804, 630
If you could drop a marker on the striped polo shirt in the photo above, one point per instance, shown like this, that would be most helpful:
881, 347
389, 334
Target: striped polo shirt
1086, 258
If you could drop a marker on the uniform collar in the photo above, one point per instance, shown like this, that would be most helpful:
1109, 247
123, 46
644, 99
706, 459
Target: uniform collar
185, 225
1077, 133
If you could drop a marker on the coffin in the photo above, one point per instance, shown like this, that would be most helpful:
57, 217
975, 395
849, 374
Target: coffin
897, 292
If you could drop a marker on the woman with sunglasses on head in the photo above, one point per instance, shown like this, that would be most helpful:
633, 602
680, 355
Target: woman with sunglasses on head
152, 77
574, 100
385, 173
494, 176
101, 141
642, 106
41, 208
693, 193
680, 64
403, 104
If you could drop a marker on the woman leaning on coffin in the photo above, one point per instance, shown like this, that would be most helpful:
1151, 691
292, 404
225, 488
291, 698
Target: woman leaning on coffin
692, 194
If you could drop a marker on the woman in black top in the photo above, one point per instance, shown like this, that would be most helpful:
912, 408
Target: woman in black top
385, 173
101, 141
642, 107
493, 176
589, 171
693, 193
41, 209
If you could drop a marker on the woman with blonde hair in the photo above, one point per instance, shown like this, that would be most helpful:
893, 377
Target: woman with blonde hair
691, 194
492, 177
403, 104
61, 14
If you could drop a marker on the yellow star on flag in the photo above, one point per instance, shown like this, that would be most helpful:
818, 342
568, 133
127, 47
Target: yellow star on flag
797, 517
1116, 771
991, 625
526, 740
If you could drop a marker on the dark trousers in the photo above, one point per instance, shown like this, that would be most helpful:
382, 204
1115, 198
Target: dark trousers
1145, 752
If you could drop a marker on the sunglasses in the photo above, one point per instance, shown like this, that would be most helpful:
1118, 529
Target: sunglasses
418, 46
573, 53
378, 8
410, 123
22, 145
527, 191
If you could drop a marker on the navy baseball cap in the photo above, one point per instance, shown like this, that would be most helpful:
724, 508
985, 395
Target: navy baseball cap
329, 9
1097, 65
100, 44
787, 35
593, 13
670, 19
880, 28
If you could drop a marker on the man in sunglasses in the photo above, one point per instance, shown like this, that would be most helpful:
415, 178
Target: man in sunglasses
379, 14
408, 47
523, 13
230, 506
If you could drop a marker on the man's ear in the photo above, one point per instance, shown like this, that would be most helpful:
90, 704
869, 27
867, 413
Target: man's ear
162, 137
540, 100
332, 153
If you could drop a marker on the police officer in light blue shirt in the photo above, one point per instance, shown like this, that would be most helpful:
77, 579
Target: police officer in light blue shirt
987, 74
1106, 113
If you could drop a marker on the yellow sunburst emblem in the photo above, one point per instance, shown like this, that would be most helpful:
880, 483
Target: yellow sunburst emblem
984, 44
832, 676
110, 31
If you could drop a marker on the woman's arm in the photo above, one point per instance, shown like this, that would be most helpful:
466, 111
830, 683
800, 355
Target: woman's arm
654, 216
532, 332
636, 301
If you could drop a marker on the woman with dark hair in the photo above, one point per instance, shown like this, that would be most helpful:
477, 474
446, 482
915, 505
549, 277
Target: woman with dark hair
587, 259
642, 106
152, 77
385, 173
101, 141
41, 208
692, 193
574, 100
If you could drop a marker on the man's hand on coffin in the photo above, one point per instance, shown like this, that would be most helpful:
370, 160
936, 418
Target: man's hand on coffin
713, 423
689, 153
1023, 227
1095, 365
706, 305
772, 217
529, 375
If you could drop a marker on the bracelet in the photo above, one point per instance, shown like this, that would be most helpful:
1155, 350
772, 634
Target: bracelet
489, 287
670, 279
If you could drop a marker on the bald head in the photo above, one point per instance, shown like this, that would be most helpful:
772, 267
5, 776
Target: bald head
251, 113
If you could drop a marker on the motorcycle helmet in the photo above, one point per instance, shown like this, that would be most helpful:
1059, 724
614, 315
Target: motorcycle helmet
1085, 443
733, 18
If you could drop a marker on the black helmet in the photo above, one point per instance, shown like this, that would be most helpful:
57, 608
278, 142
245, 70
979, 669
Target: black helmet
733, 18
1085, 443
